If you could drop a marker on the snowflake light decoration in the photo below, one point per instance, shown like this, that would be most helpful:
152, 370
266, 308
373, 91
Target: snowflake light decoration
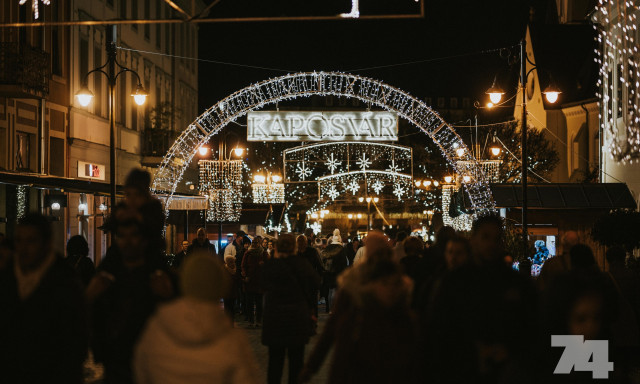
394, 168
377, 186
353, 187
34, 6
399, 191
364, 162
303, 171
333, 192
317, 228
333, 163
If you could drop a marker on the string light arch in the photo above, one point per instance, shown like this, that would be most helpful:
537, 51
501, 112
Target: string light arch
306, 84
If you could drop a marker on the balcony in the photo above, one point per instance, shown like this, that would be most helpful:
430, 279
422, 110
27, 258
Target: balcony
24, 71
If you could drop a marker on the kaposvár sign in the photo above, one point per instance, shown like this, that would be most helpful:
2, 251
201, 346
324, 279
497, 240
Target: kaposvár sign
322, 126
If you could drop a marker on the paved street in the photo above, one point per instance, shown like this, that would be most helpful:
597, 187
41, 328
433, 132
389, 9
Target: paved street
262, 356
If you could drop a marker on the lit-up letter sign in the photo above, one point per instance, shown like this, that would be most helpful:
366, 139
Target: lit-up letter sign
322, 126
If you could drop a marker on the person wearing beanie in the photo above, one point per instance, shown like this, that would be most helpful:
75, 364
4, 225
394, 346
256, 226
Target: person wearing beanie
191, 339
334, 259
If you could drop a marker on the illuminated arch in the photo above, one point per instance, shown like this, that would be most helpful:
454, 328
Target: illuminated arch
306, 84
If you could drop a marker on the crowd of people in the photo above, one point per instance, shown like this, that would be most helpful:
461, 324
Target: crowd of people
399, 310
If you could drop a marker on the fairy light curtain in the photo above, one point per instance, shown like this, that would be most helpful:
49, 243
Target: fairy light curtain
221, 182
617, 24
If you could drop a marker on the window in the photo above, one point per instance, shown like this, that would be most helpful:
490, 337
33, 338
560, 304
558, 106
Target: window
440, 102
97, 82
56, 156
466, 103
23, 144
453, 103
147, 16
158, 26
123, 9
429, 101
134, 13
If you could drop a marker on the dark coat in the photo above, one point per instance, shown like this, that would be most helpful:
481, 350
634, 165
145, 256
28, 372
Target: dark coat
83, 266
120, 314
206, 246
372, 343
313, 257
44, 338
252, 263
334, 258
290, 285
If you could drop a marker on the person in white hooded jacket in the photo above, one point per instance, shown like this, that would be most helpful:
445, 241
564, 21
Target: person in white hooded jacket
190, 340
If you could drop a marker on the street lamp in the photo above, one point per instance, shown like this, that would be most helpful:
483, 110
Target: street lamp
551, 93
84, 97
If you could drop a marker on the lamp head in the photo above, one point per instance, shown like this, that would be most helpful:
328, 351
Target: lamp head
276, 178
202, 151
368, 199
418, 183
361, 199
495, 150
84, 96
238, 151
448, 179
140, 95
427, 183
259, 178
375, 199
460, 152
495, 92
435, 183
552, 93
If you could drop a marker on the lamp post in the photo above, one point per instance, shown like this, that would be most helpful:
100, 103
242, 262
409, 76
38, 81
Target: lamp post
551, 93
84, 97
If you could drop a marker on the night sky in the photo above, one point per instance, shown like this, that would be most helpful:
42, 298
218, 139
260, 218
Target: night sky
461, 28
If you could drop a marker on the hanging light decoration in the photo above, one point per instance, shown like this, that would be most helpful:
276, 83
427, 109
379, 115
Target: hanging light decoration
221, 183
619, 82
34, 6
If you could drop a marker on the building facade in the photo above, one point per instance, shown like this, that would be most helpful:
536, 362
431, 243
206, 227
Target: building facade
43, 129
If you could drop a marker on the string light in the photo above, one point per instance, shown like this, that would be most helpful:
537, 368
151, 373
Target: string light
35, 7
307, 84
21, 196
221, 182
619, 79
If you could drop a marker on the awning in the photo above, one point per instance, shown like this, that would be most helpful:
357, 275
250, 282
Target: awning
565, 196
185, 203
65, 184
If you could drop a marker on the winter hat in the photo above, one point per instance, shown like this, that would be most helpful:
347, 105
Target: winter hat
336, 239
202, 277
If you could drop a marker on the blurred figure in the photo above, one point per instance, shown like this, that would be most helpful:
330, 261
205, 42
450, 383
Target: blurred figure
43, 327
435, 254
457, 253
202, 243
179, 258
352, 249
311, 237
308, 253
561, 263
137, 191
130, 282
265, 243
270, 249
372, 332
234, 291
334, 261
398, 248
290, 284
582, 302
190, 340
628, 281
581, 257
251, 273
6, 253
78, 258
413, 250
486, 240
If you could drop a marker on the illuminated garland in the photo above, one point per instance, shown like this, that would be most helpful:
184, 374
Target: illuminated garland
268, 193
460, 223
35, 7
619, 80
21, 196
306, 84
371, 182
221, 182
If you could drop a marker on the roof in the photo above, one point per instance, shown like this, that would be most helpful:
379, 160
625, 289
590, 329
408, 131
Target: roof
565, 196
564, 55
